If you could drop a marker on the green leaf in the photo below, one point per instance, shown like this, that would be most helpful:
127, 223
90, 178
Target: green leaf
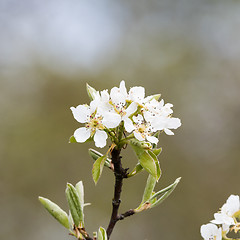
148, 163
164, 193
80, 191
72, 139
138, 168
91, 92
157, 151
159, 172
150, 185
140, 144
75, 205
55, 211
102, 235
145, 159
95, 155
98, 167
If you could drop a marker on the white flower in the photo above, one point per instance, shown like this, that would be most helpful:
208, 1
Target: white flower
211, 232
101, 102
226, 215
136, 94
94, 124
143, 130
159, 115
118, 100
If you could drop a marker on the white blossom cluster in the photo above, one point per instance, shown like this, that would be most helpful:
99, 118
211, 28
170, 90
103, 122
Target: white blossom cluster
141, 116
226, 220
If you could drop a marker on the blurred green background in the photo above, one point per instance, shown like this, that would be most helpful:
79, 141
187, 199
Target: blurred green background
187, 50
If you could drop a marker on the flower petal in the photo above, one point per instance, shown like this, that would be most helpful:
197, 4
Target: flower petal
173, 123
152, 139
138, 136
81, 113
128, 124
111, 120
211, 231
123, 89
168, 132
132, 108
137, 94
100, 138
82, 134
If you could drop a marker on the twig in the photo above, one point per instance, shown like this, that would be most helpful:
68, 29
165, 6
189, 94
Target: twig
120, 173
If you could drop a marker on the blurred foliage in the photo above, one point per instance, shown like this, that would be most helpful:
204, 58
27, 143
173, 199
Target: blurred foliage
186, 50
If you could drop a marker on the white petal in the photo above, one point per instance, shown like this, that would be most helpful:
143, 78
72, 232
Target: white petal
221, 218
210, 231
81, 113
82, 134
137, 94
111, 120
152, 139
128, 124
100, 138
173, 123
168, 132
117, 97
105, 96
123, 89
138, 119
132, 108
138, 136
225, 228
232, 205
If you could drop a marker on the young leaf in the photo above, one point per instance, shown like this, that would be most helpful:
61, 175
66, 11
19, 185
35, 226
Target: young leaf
91, 92
102, 235
157, 151
72, 139
95, 155
145, 159
55, 211
98, 167
148, 163
150, 185
159, 172
164, 192
80, 191
138, 168
74, 204
140, 144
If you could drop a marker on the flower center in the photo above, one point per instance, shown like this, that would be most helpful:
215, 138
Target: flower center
95, 123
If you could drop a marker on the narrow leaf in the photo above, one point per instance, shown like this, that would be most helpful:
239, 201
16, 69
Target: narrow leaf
166, 192
157, 151
150, 185
148, 163
55, 211
159, 172
95, 155
98, 167
138, 168
74, 204
80, 192
91, 92
145, 159
102, 235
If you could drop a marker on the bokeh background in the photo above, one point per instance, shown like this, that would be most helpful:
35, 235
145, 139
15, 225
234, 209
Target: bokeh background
187, 50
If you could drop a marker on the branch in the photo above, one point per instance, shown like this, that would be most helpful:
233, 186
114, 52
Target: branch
126, 214
120, 173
